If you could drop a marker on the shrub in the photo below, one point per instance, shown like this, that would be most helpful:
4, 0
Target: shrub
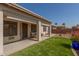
75, 38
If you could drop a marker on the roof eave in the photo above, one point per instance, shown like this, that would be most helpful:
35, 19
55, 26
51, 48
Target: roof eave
27, 11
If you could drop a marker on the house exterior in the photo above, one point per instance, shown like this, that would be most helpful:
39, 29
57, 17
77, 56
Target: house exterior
18, 23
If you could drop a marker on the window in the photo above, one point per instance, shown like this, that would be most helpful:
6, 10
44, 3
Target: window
33, 28
44, 28
10, 28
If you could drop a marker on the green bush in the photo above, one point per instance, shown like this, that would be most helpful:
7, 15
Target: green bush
75, 38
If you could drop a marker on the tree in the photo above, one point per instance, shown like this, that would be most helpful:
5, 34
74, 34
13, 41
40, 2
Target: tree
56, 23
63, 24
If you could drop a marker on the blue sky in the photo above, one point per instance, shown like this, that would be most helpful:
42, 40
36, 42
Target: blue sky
55, 12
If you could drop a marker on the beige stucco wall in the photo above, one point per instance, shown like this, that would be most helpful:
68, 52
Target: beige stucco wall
9, 39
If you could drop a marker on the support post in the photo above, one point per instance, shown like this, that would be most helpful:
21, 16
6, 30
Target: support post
19, 30
39, 30
50, 30
1, 31
29, 29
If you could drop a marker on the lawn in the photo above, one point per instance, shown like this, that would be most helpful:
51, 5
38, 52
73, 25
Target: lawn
55, 46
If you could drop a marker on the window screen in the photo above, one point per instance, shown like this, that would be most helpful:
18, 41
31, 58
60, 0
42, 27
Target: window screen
10, 28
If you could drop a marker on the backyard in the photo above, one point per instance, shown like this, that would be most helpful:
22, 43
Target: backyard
54, 46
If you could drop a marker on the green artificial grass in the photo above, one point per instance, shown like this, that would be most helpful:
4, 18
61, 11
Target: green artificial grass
55, 46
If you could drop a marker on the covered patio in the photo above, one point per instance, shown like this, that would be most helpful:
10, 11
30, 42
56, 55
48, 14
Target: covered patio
18, 30
19, 27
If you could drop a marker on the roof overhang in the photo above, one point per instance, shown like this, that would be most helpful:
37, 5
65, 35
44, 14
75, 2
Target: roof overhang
26, 11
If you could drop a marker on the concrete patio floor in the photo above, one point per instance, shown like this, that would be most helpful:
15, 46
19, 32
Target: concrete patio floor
17, 46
